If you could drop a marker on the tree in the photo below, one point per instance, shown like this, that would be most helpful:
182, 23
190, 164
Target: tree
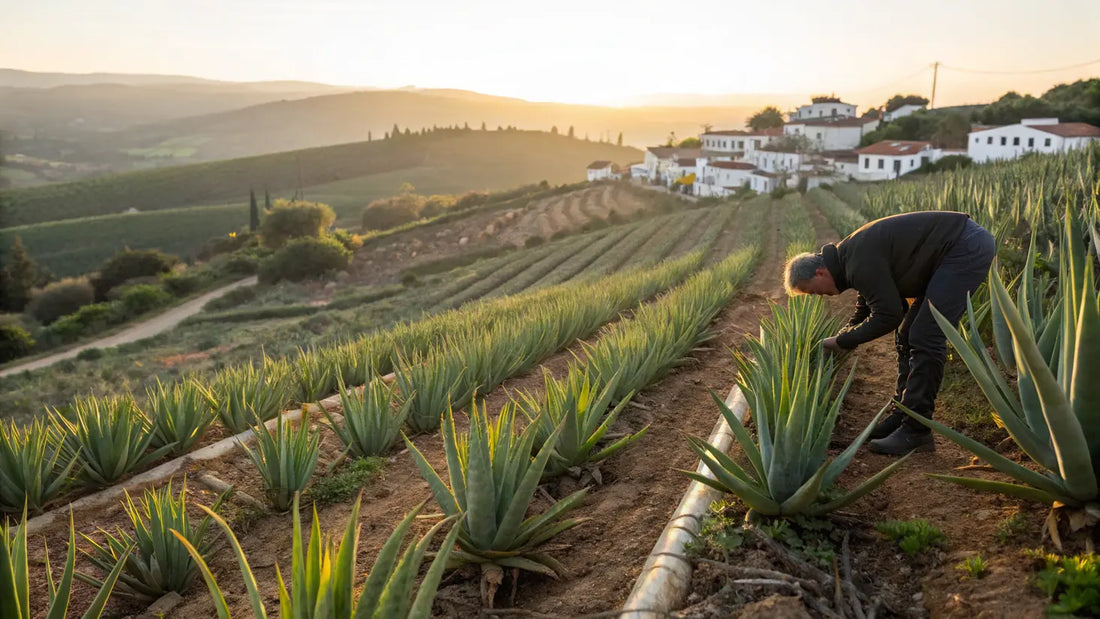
953, 131
554, 130
671, 140
253, 211
707, 127
871, 113
396, 131
690, 143
897, 101
370, 138
619, 142
18, 277
290, 220
465, 126
483, 126
767, 118
267, 201
570, 133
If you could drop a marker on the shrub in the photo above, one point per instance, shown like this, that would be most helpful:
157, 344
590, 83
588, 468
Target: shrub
232, 299
90, 354
436, 205
14, 342
350, 241
182, 283
471, 199
141, 298
533, 241
60, 298
291, 220
409, 279
305, 259
226, 244
88, 319
128, 264
392, 212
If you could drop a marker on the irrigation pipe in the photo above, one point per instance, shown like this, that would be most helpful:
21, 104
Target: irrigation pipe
666, 576
158, 474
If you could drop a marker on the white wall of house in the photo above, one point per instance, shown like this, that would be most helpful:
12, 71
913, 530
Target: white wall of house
763, 184
599, 174
776, 161
824, 110
1011, 141
889, 167
714, 176
902, 111
639, 170
735, 143
828, 137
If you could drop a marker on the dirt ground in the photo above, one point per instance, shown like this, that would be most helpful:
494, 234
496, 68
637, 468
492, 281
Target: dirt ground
384, 261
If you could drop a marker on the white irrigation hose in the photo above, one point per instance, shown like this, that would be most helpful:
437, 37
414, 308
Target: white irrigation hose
666, 576
156, 475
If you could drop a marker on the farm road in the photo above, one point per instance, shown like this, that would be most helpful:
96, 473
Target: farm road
154, 326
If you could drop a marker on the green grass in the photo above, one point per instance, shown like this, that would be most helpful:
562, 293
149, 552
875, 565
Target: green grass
912, 536
346, 481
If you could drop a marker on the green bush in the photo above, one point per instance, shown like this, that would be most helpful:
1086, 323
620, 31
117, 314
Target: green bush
128, 264
306, 258
15, 342
392, 212
242, 263
88, 319
534, 240
291, 220
90, 354
183, 283
350, 241
437, 205
60, 298
225, 244
232, 299
141, 298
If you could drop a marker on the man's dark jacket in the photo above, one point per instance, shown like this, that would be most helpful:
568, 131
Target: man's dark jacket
888, 261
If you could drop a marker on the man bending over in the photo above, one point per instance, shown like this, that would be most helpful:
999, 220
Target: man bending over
898, 266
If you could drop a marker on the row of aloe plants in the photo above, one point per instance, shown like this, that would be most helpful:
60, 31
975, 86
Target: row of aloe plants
492, 472
96, 441
798, 229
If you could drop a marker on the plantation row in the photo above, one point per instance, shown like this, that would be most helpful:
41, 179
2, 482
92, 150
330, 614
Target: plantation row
490, 467
97, 441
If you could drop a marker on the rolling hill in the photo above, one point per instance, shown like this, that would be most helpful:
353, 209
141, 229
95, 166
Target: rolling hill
73, 227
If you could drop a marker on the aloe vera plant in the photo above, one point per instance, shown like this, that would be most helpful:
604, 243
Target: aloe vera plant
285, 458
583, 412
158, 563
323, 573
34, 466
787, 382
372, 423
492, 481
1055, 416
431, 384
245, 393
180, 414
109, 436
315, 375
15, 598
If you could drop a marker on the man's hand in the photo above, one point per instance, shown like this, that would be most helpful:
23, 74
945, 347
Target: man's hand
830, 345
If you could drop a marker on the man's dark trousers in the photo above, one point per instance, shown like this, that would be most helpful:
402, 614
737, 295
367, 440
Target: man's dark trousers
921, 344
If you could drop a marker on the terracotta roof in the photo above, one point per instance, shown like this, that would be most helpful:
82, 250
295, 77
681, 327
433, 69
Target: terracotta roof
732, 165
834, 122
765, 174
894, 148
714, 154
1070, 130
671, 152
686, 163
599, 165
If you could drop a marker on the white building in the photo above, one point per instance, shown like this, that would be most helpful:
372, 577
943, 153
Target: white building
722, 178
1032, 135
827, 108
832, 134
778, 161
658, 159
681, 169
737, 144
764, 182
639, 171
903, 111
890, 159
600, 170
845, 163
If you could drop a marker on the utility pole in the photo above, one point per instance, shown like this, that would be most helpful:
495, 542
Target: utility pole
935, 74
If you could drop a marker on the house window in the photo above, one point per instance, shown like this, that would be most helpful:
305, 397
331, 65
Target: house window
1031, 142
976, 140
1015, 141
867, 162
1004, 141
1046, 142
881, 163
989, 140
819, 135
912, 163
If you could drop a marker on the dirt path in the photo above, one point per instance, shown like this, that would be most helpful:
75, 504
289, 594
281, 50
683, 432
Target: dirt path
154, 326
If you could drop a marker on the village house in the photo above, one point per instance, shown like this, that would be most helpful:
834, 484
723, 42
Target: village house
890, 159
832, 134
737, 144
764, 182
658, 160
823, 107
1031, 135
903, 111
682, 169
780, 161
722, 178
600, 170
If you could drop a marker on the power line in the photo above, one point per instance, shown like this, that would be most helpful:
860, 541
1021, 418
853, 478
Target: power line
1026, 72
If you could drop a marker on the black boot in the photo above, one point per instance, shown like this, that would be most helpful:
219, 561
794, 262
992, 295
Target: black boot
886, 425
904, 440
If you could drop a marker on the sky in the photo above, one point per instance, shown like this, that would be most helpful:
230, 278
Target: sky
575, 51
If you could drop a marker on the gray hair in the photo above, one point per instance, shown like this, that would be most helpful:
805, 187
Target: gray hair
801, 268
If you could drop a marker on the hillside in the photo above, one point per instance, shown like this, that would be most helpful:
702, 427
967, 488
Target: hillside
88, 222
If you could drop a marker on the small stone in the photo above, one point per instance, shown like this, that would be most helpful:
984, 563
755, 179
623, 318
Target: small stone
463, 240
164, 605
918, 596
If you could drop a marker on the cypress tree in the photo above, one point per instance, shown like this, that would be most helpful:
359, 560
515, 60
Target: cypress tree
619, 142
18, 276
570, 134
267, 201
253, 211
